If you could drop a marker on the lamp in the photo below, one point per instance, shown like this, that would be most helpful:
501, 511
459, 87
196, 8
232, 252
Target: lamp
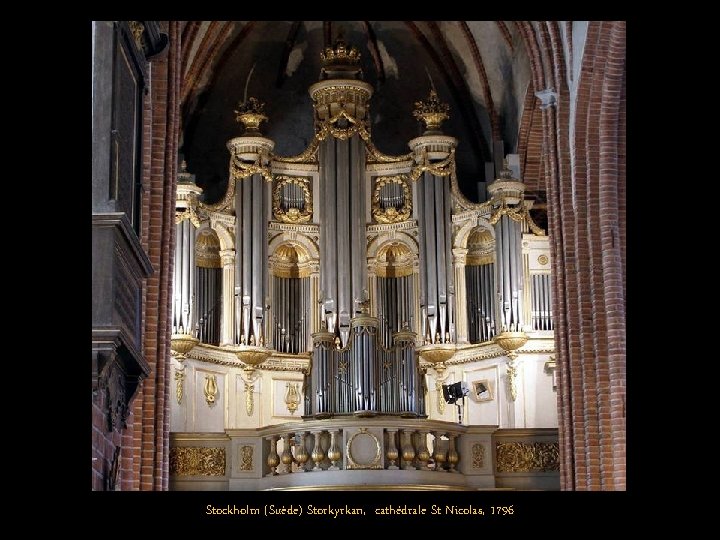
455, 394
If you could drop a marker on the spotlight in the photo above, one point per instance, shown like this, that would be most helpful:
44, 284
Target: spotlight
455, 391
454, 394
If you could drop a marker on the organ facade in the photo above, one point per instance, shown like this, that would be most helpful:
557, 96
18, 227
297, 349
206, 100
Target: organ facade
320, 306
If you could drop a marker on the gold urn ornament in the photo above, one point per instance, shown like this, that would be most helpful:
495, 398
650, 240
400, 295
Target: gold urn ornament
251, 113
432, 112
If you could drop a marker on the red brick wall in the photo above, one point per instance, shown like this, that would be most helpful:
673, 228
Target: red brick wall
586, 212
530, 140
145, 441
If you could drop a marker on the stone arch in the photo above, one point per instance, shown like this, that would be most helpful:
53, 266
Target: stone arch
227, 240
461, 236
305, 244
394, 259
290, 260
207, 247
381, 240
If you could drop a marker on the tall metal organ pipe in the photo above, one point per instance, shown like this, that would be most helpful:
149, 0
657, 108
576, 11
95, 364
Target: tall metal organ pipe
507, 200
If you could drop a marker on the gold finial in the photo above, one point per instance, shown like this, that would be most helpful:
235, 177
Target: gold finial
251, 114
432, 111
340, 54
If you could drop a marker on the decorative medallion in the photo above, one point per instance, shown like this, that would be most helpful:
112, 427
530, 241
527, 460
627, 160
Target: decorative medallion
543, 259
356, 461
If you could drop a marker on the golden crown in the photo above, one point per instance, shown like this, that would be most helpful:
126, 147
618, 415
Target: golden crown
340, 54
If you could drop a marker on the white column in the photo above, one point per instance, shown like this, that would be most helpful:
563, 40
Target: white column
372, 291
461, 327
227, 257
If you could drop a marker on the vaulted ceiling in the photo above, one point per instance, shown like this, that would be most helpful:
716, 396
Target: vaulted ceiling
480, 68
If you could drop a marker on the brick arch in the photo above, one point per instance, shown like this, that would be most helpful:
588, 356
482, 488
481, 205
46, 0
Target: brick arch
586, 199
530, 143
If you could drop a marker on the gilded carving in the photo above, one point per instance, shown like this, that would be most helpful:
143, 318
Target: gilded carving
512, 379
179, 379
442, 168
519, 214
391, 214
137, 28
478, 456
240, 169
292, 215
211, 389
291, 260
197, 461
249, 399
207, 249
394, 260
528, 457
251, 113
377, 156
292, 397
246, 457
543, 259
191, 212
432, 111
374, 463
308, 155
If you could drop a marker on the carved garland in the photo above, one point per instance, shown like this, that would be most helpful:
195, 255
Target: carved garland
518, 214
292, 215
441, 168
240, 170
392, 214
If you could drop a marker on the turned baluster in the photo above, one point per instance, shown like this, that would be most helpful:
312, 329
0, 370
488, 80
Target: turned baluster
334, 453
439, 453
392, 452
273, 459
318, 455
452, 456
301, 453
408, 452
423, 454
287, 457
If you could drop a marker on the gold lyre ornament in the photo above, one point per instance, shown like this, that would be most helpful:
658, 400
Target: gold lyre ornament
211, 389
292, 397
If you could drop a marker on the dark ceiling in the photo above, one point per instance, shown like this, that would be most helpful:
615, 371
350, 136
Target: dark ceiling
396, 59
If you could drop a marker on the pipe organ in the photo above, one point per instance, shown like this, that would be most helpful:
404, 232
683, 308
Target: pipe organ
366, 263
